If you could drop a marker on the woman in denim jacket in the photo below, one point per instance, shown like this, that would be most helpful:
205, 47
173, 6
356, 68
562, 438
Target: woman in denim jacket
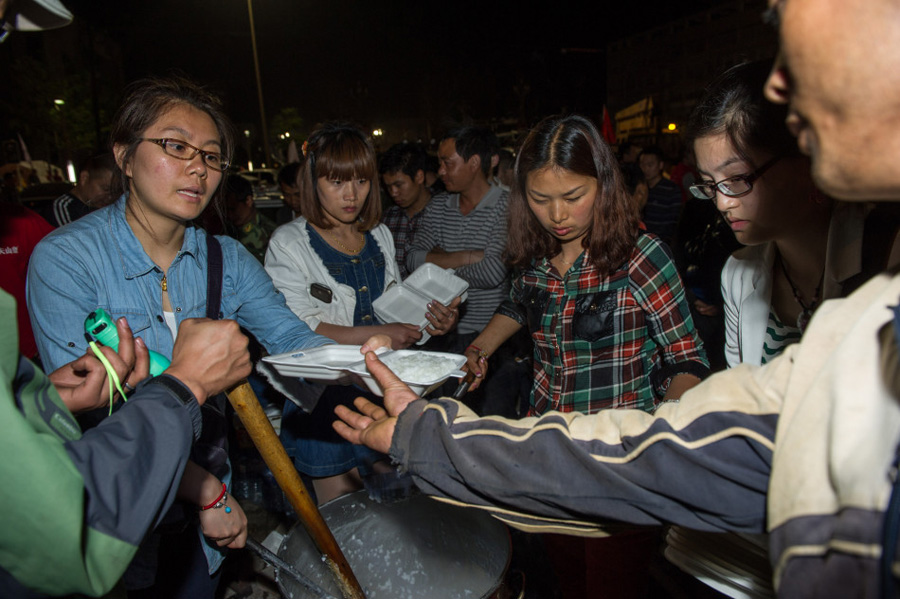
143, 259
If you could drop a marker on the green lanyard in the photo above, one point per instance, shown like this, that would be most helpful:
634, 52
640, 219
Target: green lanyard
110, 373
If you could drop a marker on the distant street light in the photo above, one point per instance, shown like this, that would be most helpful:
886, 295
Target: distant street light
262, 109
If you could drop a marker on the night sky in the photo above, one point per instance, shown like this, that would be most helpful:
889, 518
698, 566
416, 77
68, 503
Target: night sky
379, 60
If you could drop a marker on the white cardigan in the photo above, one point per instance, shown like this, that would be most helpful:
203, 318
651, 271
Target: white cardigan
747, 282
747, 291
294, 266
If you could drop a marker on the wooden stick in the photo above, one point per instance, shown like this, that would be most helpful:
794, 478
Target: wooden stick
263, 435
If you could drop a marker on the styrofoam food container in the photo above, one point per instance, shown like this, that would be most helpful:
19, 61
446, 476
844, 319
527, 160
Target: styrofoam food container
419, 387
436, 283
408, 301
323, 364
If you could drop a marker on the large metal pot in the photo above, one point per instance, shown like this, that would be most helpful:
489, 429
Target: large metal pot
419, 547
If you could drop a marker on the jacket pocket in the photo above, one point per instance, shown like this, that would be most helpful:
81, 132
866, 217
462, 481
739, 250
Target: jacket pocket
138, 320
594, 316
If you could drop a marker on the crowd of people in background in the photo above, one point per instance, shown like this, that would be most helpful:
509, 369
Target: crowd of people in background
605, 288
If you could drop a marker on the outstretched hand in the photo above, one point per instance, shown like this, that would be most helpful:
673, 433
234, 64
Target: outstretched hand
372, 425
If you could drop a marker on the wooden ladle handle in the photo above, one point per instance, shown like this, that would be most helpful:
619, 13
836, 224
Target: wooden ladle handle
245, 403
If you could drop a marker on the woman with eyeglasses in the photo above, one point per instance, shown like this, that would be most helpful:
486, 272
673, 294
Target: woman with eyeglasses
751, 168
802, 248
142, 258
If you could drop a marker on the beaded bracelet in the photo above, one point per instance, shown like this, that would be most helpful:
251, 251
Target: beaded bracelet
220, 501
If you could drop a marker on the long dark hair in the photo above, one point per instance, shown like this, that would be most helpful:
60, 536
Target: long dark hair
574, 144
339, 151
734, 104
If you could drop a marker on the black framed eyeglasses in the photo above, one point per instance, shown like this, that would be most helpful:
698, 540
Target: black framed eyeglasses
733, 187
185, 151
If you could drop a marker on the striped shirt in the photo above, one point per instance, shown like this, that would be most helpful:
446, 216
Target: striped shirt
662, 210
403, 228
607, 341
778, 336
484, 228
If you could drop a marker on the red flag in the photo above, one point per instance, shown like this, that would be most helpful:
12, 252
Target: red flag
608, 131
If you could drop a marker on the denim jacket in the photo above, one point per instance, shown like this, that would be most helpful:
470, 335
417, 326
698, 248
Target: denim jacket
97, 261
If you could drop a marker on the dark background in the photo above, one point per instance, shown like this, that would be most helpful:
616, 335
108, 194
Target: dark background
409, 68
381, 59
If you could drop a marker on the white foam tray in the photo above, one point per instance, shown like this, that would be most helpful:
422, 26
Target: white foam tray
408, 301
420, 387
324, 364
333, 365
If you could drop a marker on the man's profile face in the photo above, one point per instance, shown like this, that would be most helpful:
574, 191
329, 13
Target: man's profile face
839, 69
402, 188
456, 173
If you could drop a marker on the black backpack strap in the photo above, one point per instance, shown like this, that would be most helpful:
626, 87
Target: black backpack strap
214, 278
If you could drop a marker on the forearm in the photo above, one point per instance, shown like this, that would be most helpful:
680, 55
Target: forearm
265, 312
347, 335
703, 464
198, 487
487, 273
450, 259
498, 330
679, 384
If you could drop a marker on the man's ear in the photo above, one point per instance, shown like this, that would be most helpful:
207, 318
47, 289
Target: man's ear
475, 161
419, 179
249, 201
119, 151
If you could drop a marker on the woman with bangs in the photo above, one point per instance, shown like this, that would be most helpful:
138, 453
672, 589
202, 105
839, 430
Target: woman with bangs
331, 264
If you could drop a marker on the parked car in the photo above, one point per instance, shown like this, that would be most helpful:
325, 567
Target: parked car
264, 177
266, 192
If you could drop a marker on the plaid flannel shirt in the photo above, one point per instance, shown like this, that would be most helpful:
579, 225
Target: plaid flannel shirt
611, 341
404, 230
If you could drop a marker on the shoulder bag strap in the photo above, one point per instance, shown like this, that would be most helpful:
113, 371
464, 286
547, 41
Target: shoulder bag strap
213, 278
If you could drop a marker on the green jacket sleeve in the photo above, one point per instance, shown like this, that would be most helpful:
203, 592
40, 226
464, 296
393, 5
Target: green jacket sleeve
73, 507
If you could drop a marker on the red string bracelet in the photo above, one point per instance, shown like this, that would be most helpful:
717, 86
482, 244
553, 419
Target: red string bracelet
218, 499
481, 352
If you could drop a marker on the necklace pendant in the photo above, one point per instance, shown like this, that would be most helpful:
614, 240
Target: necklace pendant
164, 284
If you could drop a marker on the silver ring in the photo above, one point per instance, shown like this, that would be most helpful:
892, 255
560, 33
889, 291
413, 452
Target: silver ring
128, 387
